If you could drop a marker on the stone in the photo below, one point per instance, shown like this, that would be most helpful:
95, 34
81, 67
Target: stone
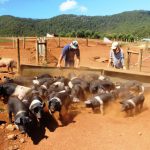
12, 137
2, 126
22, 140
10, 127
10, 148
15, 147
139, 133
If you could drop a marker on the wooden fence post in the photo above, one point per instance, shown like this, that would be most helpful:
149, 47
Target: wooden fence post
59, 41
45, 50
140, 59
23, 42
13, 40
127, 59
87, 42
37, 52
18, 55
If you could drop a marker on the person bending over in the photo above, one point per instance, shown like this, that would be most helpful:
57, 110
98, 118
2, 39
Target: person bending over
69, 53
116, 57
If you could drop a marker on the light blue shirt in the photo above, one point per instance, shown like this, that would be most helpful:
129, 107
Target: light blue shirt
117, 58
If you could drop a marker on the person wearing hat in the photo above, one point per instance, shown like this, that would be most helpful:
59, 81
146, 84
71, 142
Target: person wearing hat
116, 58
68, 54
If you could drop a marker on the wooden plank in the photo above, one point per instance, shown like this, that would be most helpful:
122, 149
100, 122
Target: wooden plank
18, 55
140, 59
37, 52
134, 52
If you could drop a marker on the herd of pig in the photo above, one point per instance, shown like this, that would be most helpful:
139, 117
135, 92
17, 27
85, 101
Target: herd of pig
26, 97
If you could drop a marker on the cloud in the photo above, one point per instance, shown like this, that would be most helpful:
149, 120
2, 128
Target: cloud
83, 9
3, 1
67, 5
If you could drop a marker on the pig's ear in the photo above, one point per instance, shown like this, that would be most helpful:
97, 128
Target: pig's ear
28, 119
17, 121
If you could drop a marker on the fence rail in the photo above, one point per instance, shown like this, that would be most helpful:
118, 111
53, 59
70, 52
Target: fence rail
24, 49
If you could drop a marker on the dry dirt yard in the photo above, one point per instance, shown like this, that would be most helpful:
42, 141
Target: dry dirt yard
86, 130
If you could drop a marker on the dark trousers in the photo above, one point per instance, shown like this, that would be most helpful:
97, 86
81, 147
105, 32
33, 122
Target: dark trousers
69, 63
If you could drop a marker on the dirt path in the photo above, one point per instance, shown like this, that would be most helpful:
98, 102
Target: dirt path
87, 131
94, 131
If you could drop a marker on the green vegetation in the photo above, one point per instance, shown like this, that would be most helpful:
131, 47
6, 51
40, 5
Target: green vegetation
124, 26
5, 40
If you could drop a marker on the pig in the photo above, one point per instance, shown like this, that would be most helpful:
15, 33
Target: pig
76, 80
21, 114
130, 106
59, 102
12, 89
101, 86
133, 86
9, 63
20, 80
89, 77
35, 104
97, 102
77, 93
43, 76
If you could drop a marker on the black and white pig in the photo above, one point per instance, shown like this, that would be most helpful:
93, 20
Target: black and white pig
133, 86
35, 104
76, 80
129, 89
12, 89
89, 77
130, 106
101, 86
59, 102
41, 76
60, 84
97, 102
77, 93
20, 80
21, 114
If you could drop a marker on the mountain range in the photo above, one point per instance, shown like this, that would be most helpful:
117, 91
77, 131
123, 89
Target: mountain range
136, 23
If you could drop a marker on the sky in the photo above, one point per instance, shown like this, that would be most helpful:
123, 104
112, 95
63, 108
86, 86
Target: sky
43, 9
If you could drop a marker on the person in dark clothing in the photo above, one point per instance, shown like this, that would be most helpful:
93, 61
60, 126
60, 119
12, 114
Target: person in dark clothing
69, 52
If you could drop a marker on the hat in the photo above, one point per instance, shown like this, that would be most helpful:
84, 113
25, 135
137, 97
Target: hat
114, 45
74, 45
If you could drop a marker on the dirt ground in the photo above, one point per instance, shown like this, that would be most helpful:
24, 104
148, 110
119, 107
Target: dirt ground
85, 130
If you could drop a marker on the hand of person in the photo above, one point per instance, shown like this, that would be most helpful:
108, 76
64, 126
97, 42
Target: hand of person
58, 65
124, 67
77, 66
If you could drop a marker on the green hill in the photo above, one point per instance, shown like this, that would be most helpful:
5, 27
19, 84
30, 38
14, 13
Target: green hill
136, 23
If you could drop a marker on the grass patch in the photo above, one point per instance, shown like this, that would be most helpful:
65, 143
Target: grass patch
2, 110
5, 40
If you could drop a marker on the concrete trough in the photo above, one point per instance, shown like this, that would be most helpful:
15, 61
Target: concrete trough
114, 74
